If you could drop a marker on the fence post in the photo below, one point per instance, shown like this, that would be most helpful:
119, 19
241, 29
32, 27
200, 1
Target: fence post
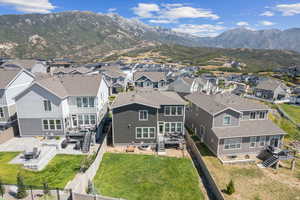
57, 192
31, 193
71, 194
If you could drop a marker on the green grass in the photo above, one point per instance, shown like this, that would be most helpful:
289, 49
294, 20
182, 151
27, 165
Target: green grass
293, 111
147, 177
60, 170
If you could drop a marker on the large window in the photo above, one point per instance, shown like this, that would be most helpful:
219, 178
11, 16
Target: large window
252, 142
227, 120
85, 102
234, 143
52, 124
173, 110
1, 113
252, 115
47, 105
173, 127
143, 115
262, 115
86, 119
145, 133
262, 141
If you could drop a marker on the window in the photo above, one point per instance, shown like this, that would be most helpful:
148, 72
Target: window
234, 143
227, 120
262, 115
87, 119
85, 102
173, 127
262, 141
252, 115
1, 113
202, 130
173, 110
52, 124
143, 115
161, 127
145, 133
47, 105
252, 142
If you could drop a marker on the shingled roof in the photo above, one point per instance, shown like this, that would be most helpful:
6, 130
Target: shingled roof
153, 76
7, 75
214, 104
269, 84
148, 97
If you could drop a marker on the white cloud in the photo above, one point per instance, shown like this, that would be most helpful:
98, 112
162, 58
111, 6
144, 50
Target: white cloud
145, 10
266, 23
202, 30
111, 10
171, 12
161, 21
267, 14
242, 23
288, 9
29, 6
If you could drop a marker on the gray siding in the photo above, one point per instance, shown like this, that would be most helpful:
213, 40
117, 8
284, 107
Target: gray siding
235, 117
162, 117
265, 94
33, 127
125, 121
2, 97
245, 147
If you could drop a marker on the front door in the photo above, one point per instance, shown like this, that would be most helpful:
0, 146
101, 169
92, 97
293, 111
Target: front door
74, 121
161, 128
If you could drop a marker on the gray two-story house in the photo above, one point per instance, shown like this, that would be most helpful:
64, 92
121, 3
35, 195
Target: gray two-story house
143, 79
147, 116
232, 127
272, 90
59, 105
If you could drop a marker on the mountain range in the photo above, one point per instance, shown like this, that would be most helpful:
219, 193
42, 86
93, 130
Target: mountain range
87, 35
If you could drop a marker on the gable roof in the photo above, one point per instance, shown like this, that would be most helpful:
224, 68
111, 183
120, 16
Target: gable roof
214, 104
153, 76
23, 63
70, 85
7, 75
150, 98
269, 84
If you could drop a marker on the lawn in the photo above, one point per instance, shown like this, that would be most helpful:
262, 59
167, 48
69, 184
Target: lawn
147, 177
252, 182
60, 170
293, 111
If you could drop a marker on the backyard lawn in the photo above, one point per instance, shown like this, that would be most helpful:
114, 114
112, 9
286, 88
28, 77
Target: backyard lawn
147, 177
293, 111
252, 182
57, 173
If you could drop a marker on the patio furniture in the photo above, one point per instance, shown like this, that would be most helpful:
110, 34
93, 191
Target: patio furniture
144, 147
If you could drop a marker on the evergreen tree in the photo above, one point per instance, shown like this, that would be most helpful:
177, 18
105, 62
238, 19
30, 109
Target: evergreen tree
21, 187
230, 188
46, 190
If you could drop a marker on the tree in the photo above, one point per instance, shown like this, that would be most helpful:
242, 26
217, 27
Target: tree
2, 188
21, 187
46, 188
230, 188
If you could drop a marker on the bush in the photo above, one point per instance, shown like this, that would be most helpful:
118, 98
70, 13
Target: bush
21, 187
46, 190
57, 137
2, 188
230, 188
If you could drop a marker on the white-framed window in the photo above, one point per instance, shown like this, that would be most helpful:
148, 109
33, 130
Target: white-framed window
262, 141
252, 115
202, 130
145, 133
52, 124
47, 105
227, 120
262, 115
173, 110
252, 142
173, 127
1, 113
143, 115
85, 102
234, 143
86, 119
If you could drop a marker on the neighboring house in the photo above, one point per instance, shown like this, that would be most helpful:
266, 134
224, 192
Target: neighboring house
12, 82
33, 66
232, 126
58, 105
143, 79
147, 117
272, 90
116, 80
185, 85
72, 70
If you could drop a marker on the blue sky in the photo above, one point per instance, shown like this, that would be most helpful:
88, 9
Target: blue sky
198, 17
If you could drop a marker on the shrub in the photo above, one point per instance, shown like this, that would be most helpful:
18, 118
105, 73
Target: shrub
2, 188
46, 190
230, 188
21, 187
57, 137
